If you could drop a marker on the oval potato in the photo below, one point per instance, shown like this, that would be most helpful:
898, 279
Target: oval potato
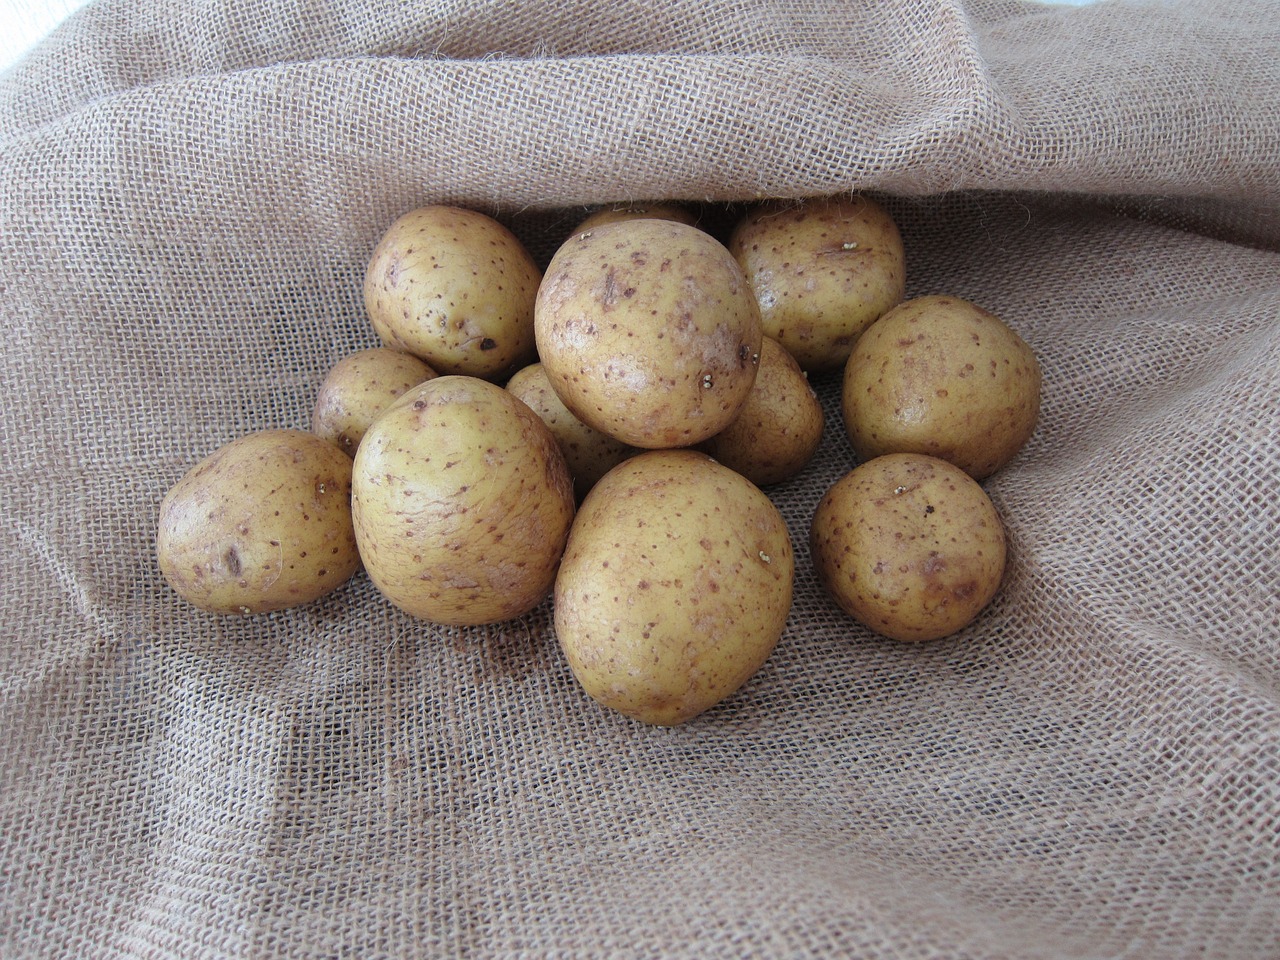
455, 288
674, 588
822, 271
462, 503
941, 376
908, 545
261, 524
358, 388
648, 332
780, 426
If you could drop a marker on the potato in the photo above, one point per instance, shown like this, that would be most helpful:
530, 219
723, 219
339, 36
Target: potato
261, 524
589, 453
780, 426
648, 332
674, 588
908, 545
637, 211
358, 388
462, 503
822, 272
455, 288
941, 376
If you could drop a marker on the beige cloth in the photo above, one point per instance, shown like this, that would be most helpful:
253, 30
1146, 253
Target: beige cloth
188, 196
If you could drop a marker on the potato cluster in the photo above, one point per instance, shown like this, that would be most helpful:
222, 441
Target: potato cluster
600, 434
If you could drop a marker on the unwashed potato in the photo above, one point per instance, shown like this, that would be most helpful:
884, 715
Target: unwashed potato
358, 388
942, 376
908, 545
648, 332
462, 503
589, 453
455, 288
261, 524
674, 588
637, 211
822, 272
780, 426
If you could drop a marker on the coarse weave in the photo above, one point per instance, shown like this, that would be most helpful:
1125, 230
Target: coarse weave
189, 193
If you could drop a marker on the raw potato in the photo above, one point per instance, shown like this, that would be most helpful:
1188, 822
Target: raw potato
909, 545
780, 426
455, 288
462, 503
637, 211
648, 332
941, 376
261, 524
589, 453
675, 586
358, 388
823, 271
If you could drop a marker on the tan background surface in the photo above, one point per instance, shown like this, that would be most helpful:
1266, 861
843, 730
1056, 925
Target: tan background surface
188, 195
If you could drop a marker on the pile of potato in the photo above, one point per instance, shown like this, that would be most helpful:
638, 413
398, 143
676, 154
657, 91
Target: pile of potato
600, 433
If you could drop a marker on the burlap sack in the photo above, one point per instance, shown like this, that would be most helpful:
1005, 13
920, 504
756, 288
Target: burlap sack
188, 196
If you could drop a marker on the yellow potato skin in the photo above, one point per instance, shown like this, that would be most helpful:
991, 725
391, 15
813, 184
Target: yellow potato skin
780, 426
358, 388
942, 376
648, 332
455, 288
589, 453
908, 545
674, 588
462, 503
637, 211
822, 272
263, 523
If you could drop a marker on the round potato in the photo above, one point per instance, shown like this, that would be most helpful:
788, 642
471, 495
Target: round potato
648, 332
675, 586
908, 545
637, 211
941, 376
261, 524
454, 288
462, 503
358, 388
780, 426
822, 271
589, 453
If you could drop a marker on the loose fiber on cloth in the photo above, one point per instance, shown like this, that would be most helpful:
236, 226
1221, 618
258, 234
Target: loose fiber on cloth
189, 193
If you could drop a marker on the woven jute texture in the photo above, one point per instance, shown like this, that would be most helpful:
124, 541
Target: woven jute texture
189, 193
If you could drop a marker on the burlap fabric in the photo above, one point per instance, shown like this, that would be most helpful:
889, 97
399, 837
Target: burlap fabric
188, 197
